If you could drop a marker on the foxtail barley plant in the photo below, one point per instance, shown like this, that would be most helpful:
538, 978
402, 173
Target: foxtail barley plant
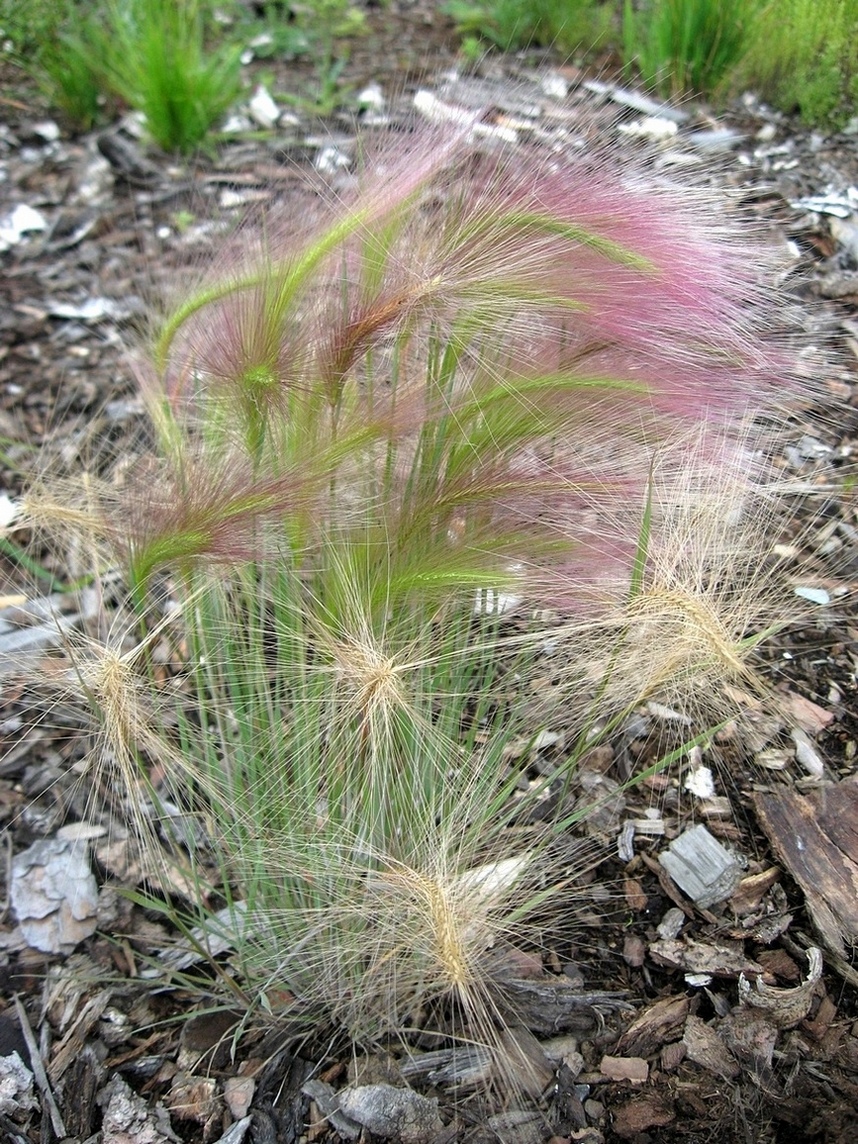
387, 442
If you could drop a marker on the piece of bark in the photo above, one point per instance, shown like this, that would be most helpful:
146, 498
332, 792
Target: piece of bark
827, 876
751, 1038
751, 890
556, 1004
658, 1024
721, 959
777, 963
68, 1051
706, 1049
836, 807
128, 1118
646, 1111
38, 1069
784, 1007
634, 1069
672, 1056
634, 950
636, 897
809, 715
527, 1066
388, 1112
818, 1028
195, 1098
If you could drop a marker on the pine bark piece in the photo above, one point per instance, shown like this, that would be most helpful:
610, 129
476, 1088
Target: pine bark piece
660, 1023
784, 1007
828, 877
634, 1069
555, 1004
836, 806
719, 959
706, 1049
526, 1060
392, 1112
54, 894
651, 1110
752, 890
128, 1119
71, 1046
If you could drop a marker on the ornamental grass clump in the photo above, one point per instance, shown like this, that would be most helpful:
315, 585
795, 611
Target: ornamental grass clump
383, 440
681, 624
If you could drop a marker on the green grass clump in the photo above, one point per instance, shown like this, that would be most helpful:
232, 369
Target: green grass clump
60, 46
803, 56
682, 46
160, 64
155, 56
24, 27
566, 25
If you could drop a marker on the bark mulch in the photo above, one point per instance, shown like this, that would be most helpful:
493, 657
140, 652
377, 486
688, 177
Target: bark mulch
676, 1014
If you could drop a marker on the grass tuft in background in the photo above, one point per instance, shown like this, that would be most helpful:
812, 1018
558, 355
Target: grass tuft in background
686, 46
803, 56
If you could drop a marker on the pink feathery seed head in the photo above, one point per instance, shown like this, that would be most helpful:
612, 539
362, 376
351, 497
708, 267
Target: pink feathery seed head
393, 174
578, 553
362, 322
658, 273
241, 331
207, 510
239, 351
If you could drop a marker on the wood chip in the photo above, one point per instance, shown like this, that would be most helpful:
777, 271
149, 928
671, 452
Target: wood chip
661, 1022
836, 806
720, 959
827, 876
672, 1056
526, 1060
810, 717
69, 1048
702, 868
634, 1069
785, 1007
751, 891
706, 1049
646, 1111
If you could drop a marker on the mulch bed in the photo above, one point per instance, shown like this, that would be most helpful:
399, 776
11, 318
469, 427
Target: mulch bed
690, 1021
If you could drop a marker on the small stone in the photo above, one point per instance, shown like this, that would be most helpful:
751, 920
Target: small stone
21, 220
700, 782
262, 108
554, 86
651, 127
238, 1093
807, 755
671, 924
390, 1112
813, 595
16, 1086
371, 98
